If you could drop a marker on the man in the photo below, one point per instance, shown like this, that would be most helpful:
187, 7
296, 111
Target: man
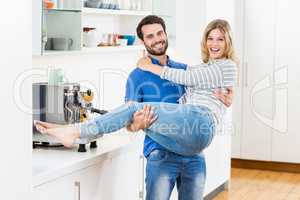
164, 168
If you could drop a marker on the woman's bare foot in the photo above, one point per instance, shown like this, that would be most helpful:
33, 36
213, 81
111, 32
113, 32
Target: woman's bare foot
66, 134
47, 124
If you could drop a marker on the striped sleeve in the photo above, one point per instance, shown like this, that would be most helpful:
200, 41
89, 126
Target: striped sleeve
217, 74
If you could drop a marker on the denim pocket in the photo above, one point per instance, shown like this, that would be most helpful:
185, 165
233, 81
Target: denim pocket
157, 155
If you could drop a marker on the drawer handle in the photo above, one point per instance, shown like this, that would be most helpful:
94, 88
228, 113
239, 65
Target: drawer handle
77, 190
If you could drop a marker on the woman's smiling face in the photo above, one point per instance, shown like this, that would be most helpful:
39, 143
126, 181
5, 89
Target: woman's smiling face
215, 43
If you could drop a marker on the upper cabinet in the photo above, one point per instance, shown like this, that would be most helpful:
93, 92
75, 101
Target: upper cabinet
77, 26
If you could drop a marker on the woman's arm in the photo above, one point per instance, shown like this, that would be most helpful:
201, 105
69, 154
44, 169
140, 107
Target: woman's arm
217, 74
221, 73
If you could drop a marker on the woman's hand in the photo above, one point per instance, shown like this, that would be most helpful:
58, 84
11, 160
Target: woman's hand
144, 63
225, 97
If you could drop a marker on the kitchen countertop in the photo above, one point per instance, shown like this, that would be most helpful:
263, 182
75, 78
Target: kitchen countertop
51, 163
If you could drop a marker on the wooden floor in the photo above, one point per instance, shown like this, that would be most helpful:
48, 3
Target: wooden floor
250, 184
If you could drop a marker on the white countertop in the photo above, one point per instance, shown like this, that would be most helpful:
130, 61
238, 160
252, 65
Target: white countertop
51, 163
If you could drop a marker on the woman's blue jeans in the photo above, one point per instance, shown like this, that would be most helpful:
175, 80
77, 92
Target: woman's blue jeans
180, 128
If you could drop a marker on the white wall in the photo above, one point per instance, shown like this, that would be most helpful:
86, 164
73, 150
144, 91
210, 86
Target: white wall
15, 150
190, 23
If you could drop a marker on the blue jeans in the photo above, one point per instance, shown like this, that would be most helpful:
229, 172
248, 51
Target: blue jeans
164, 168
180, 128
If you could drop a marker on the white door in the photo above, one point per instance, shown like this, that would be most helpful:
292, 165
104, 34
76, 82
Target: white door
257, 66
237, 108
286, 137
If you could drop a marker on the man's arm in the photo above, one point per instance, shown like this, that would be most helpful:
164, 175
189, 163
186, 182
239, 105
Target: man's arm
142, 118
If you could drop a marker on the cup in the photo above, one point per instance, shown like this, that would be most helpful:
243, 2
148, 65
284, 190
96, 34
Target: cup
130, 39
62, 44
48, 44
122, 42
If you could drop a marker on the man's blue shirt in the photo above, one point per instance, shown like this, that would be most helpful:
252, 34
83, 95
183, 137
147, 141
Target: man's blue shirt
144, 86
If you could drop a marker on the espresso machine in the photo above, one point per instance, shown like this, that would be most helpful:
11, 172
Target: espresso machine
62, 104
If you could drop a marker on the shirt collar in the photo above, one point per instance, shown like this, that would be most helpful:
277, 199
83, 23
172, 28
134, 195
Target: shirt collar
156, 62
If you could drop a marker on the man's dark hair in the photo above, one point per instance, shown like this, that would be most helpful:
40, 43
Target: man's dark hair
150, 19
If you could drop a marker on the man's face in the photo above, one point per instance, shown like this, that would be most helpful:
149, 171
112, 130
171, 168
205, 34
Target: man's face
155, 39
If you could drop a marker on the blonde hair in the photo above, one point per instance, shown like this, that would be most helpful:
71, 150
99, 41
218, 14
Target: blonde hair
224, 27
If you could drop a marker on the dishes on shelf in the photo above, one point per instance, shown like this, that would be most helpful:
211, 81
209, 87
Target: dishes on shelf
48, 4
130, 39
115, 4
89, 37
104, 4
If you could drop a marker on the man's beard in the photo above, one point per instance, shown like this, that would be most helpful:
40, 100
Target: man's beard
155, 52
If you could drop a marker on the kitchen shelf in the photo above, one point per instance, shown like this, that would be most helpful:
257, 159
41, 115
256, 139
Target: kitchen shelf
115, 12
107, 49
113, 49
62, 10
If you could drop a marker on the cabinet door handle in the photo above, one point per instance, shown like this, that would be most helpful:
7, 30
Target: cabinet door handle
77, 190
246, 74
141, 192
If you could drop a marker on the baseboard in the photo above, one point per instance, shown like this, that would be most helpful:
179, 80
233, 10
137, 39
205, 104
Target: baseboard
266, 165
216, 191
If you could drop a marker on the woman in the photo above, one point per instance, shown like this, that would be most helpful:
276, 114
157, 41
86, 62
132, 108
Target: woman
185, 128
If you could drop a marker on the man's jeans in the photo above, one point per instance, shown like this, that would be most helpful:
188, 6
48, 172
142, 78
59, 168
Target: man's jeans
164, 168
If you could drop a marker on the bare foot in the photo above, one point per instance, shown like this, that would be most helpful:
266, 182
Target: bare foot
66, 134
46, 124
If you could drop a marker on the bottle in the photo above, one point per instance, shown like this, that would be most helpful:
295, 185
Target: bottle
55, 76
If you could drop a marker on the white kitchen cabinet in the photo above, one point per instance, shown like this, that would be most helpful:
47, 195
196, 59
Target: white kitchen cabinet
286, 137
258, 62
63, 188
269, 82
128, 174
118, 177
68, 22
90, 183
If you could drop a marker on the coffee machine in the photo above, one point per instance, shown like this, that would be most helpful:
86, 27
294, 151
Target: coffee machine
62, 104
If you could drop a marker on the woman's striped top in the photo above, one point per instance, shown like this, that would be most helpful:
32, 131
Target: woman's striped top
201, 81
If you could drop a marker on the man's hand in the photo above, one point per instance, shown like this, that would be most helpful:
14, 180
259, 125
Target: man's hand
225, 97
142, 119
